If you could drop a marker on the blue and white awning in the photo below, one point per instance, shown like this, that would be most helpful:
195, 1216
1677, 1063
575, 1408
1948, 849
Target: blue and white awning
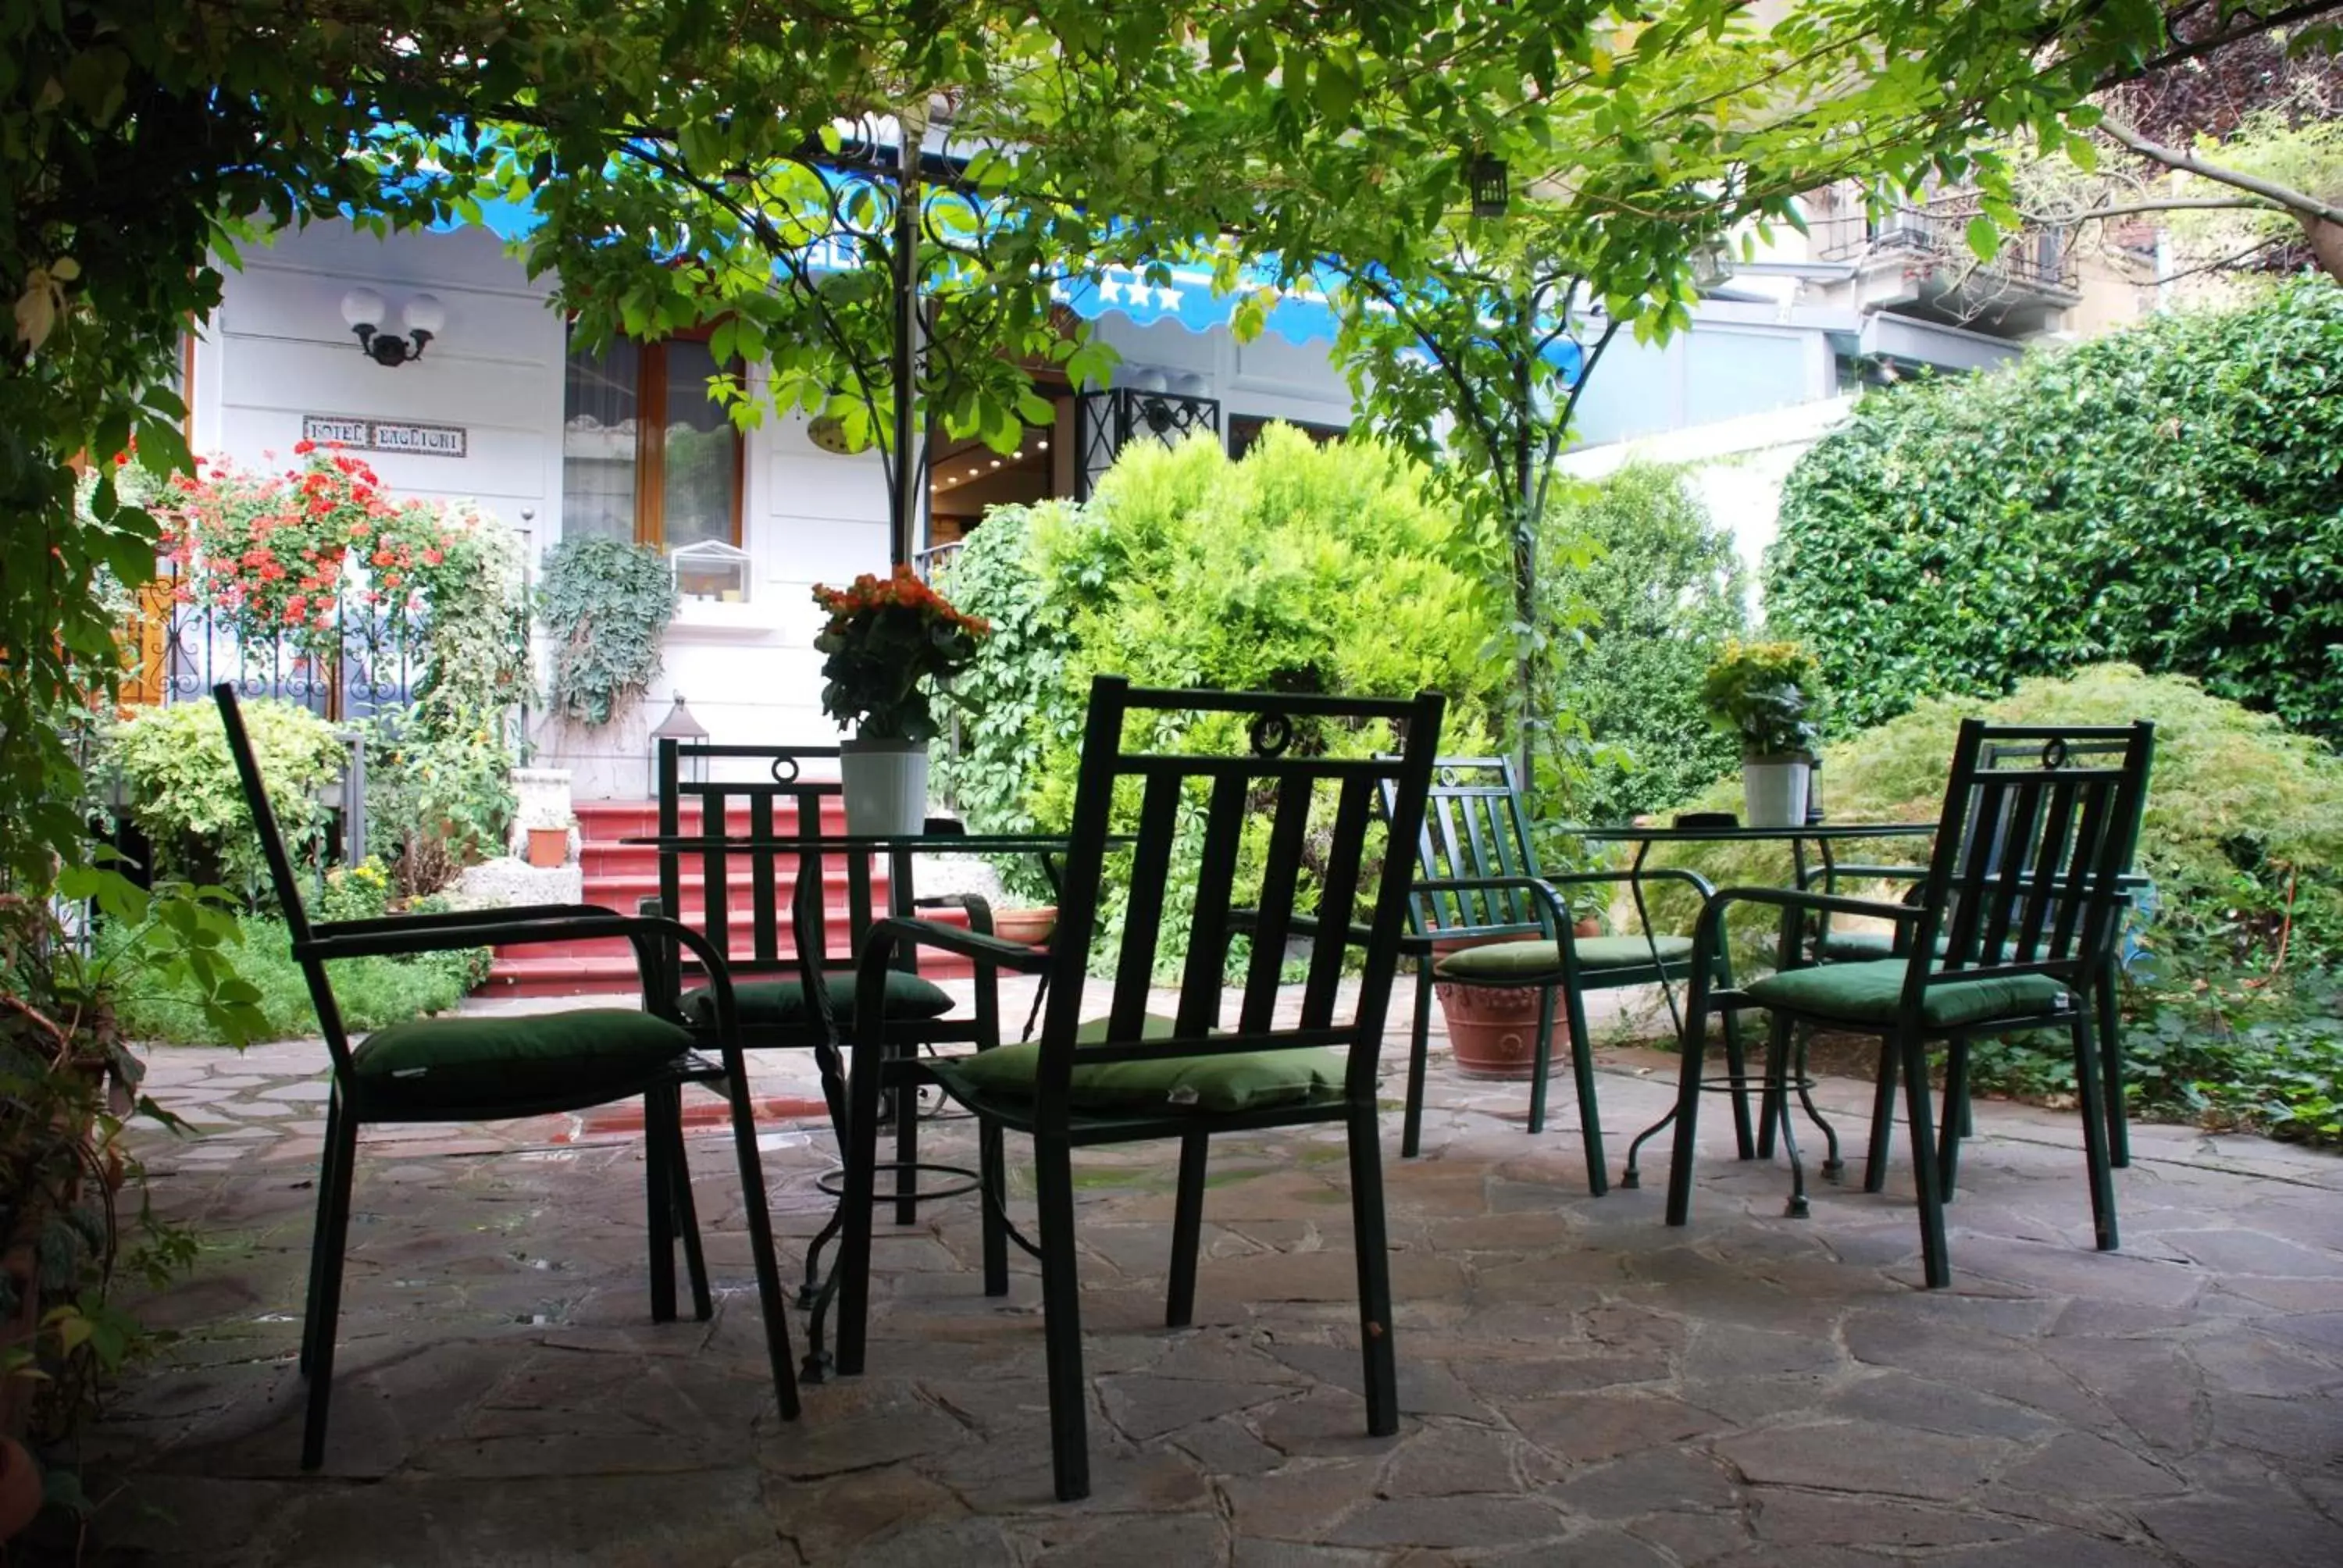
1299, 313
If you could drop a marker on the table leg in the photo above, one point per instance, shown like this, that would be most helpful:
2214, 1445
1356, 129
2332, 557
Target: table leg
1651, 938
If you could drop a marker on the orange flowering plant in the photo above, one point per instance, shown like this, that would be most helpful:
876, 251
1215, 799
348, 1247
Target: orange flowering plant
886, 639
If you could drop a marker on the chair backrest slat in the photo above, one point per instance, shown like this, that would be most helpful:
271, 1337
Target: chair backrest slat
2036, 836
1204, 975
1481, 793
1143, 909
782, 803
1288, 827
1199, 814
1338, 896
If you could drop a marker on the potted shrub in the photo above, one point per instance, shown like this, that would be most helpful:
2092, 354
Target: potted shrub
1769, 695
890, 644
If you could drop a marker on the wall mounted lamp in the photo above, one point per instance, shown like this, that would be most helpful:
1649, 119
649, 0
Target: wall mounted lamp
365, 311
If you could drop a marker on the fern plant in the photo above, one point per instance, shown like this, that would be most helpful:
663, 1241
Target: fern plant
605, 605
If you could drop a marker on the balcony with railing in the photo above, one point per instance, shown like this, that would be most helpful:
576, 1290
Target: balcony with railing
1926, 247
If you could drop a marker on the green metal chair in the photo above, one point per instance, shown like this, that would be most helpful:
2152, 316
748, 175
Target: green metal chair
2012, 929
474, 1068
1840, 946
1478, 882
791, 963
1129, 1075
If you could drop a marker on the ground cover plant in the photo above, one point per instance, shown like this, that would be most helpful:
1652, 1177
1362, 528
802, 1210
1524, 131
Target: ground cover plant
2167, 495
2231, 990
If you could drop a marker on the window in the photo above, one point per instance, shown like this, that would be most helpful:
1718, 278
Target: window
1245, 431
645, 453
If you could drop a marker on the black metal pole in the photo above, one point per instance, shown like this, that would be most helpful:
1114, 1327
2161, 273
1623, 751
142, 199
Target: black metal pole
903, 507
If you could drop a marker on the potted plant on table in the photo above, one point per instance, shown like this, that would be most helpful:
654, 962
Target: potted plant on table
1769, 694
892, 643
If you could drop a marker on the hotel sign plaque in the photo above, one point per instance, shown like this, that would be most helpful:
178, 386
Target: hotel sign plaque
385, 436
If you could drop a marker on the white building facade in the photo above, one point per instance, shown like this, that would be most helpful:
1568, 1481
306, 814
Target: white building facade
498, 409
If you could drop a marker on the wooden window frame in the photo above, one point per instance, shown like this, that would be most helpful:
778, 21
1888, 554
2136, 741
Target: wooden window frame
651, 444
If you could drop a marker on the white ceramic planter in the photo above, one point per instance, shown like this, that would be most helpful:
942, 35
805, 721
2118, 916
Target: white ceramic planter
1774, 792
885, 783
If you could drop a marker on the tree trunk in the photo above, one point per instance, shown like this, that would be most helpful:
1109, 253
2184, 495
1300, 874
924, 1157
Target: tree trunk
2326, 243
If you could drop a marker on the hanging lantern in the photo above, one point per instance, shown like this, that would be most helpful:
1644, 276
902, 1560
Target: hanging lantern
1486, 175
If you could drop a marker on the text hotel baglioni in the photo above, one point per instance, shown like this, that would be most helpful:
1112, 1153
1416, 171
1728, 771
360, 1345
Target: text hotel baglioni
384, 436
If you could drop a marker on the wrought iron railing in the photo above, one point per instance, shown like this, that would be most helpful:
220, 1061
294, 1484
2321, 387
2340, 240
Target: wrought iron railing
1106, 422
2036, 256
185, 648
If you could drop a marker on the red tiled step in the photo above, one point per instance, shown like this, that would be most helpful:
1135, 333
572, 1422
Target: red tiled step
620, 875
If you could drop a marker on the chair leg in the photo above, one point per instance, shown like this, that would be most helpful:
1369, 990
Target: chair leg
1187, 1231
851, 1269
321, 1230
1061, 1323
1883, 1119
993, 1200
687, 1219
1370, 1241
1687, 1115
1778, 1049
1720, 972
2111, 1067
759, 1207
1775, 1101
1540, 1058
907, 1151
2096, 1136
325, 1304
1419, 1049
1590, 1113
1934, 1257
659, 1112
1956, 1115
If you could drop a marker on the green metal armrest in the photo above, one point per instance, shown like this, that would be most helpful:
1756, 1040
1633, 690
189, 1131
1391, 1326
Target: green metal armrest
980, 947
521, 913
1712, 913
586, 922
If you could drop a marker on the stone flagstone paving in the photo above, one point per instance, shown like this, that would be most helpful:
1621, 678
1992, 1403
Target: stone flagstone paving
1581, 1385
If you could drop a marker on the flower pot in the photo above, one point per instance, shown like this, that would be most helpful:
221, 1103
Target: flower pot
549, 847
1031, 926
1774, 791
1493, 1029
20, 1487
885, 782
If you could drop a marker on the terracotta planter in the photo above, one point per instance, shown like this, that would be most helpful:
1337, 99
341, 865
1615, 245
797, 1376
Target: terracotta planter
549, 847
1493, 1029
1030, 927
20, 1487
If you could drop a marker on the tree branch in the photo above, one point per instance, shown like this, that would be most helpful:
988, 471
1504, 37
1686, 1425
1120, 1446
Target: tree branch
2138, 208
2293, 201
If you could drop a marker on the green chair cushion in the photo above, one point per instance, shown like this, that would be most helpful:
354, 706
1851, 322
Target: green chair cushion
1855, 947
781, 1004
1868, 993
1240, 1081
486, 1062
1537, 956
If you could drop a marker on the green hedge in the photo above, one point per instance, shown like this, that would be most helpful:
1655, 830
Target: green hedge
2169, 496
1660, 591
